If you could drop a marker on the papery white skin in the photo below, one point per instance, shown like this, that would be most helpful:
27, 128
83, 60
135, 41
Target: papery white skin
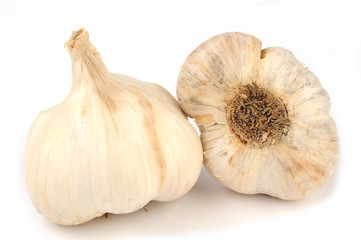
113, 145
294, 167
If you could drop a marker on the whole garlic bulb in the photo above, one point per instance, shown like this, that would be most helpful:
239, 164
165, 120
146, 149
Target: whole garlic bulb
263, 116
113, 145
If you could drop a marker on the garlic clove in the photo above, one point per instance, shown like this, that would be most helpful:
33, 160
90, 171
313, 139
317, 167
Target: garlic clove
214, 65
113, 145
212, 71
263, 116
295, 83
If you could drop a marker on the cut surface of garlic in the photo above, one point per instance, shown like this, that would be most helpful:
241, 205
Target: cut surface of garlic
263, 116
114, 144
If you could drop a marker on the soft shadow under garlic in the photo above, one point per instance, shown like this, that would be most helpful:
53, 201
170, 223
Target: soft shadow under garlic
207, 207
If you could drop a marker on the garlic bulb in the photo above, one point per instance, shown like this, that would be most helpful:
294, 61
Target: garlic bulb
263, 116
113, 145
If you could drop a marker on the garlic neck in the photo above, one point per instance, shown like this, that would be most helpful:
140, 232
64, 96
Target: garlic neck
89, 71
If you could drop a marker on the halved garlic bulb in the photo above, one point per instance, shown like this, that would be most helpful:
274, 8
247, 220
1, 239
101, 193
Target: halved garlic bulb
263, 116
113, 145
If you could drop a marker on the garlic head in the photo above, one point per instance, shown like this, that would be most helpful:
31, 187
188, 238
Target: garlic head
114, 144
263, 116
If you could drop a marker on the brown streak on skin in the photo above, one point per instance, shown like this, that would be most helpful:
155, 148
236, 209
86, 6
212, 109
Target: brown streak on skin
313, 172
149, 122
231, 159
291, 172
106, 95
85, 105
109, 175
204, 119
114, 124
316, 172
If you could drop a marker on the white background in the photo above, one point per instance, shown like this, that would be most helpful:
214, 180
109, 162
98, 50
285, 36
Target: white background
149, 40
